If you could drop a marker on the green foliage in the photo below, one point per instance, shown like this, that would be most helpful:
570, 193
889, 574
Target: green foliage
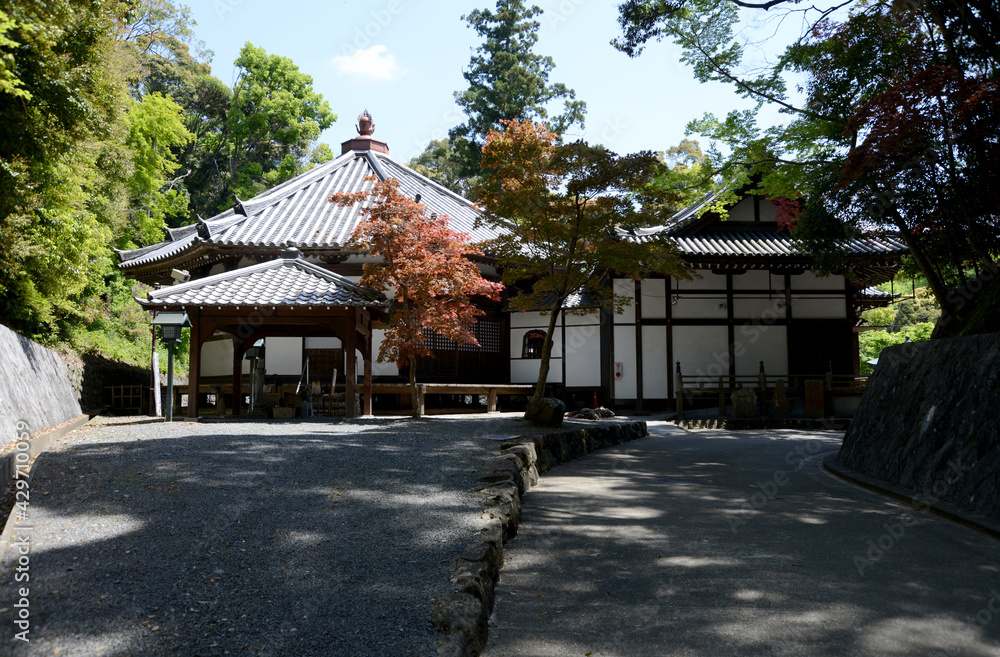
63, 165
896, 133
110, 128
155, 127
442, 163
922, 308
873, 342
880, 316
507, 81
118, 328
274, 114
685, 178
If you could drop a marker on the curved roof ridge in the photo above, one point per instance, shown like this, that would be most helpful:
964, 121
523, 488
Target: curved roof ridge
439, 187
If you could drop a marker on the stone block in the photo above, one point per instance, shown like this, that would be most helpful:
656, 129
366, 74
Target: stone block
461, 614
779, 402
744, 402
546, 412
815, 399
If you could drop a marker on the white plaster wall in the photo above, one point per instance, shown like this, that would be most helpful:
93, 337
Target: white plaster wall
590, 319
702, 350
381, 369
217, 359
624, 388
768, 211
704, 307
625, 287
526, 370
708, 281
529, 320
656, 371
742, 211
810, 281
758, 279
322, 343
654, 298
761, 343
284, 355
812, 308
766, 310
583, 356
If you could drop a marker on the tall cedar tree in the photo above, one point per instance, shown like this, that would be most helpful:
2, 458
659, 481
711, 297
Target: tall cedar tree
425, 261
897, 132
562, 210
507, 81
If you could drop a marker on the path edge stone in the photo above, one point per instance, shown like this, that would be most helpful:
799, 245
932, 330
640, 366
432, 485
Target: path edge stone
462, 617
926, 503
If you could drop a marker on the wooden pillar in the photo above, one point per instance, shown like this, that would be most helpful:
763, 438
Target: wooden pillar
639, 388
351, 366
368, 374
197, 333
237, 376
679, 388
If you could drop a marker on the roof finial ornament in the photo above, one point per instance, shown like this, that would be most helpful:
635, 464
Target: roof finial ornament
366, 124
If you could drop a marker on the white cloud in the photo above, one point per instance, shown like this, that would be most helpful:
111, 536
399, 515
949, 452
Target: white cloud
375, 63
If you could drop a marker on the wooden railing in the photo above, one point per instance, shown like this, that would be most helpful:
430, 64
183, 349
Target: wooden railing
490, 391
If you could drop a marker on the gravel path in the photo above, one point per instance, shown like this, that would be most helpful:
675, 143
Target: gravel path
309, 537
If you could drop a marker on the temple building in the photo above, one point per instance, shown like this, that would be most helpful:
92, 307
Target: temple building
279, 267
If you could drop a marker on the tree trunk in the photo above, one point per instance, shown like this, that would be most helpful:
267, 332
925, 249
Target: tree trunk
543, 366
414, 397
933, 279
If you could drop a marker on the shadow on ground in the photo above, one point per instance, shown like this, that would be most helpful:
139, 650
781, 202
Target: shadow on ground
259, 539
717, 544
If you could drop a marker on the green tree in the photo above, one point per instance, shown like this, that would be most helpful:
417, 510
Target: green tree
155, 127
63, 163
896, 132
561, 210
274, 114
441, 163
508, 81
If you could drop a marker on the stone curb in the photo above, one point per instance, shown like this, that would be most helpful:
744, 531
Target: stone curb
462, 617
37, 444
944, 510
765, 423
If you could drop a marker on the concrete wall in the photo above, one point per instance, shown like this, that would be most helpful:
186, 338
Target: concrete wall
928, 422
35, 387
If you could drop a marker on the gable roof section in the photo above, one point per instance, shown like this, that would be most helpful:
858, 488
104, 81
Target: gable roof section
287, 282
297, 212
699, 236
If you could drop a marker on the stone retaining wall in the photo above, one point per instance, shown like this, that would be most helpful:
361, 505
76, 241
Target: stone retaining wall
463, 616
928, 422
35, 388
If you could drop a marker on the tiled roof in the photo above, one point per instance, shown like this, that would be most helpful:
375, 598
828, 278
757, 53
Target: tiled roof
762, 243
875, 293
286, 282
297, 212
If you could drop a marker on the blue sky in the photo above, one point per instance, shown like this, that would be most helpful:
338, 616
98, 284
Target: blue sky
403, 60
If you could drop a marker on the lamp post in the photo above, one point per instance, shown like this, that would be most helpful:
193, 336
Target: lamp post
170, 328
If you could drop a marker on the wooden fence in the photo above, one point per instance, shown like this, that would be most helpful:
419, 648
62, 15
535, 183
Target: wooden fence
690, 385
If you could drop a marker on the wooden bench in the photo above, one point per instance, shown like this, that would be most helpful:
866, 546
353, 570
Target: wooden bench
491, 391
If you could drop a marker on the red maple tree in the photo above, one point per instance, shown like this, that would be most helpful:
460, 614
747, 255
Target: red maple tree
425, 261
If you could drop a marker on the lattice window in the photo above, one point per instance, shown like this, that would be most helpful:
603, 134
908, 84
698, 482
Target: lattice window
486, 332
